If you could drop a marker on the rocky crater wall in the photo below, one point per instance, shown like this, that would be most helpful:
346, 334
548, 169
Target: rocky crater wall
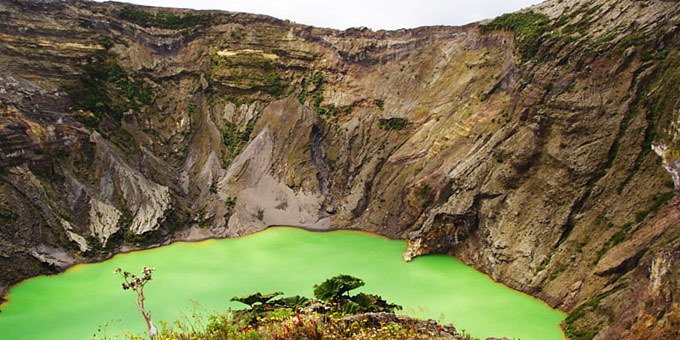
540, 147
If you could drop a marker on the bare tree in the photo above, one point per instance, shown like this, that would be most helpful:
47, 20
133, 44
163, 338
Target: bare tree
137, 283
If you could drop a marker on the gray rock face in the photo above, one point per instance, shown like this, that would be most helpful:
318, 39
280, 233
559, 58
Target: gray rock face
671, 165
103, 220
146, 200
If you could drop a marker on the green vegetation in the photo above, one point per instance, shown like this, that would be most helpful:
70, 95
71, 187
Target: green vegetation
168, 20
125, 218
528, 27
230, 202
334, 289
613, 241
335, 292
657, 99
124, 222
332, 315
247, 71
587, 332
237, 34
105, 88
106, 42
236, 139
656, 55
259, 303
629, 41
312, 93
380, 104
586, 12
658, 202
394, 123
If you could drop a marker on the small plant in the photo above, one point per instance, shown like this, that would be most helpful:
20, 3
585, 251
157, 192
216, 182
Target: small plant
137, 283
380, 104
230, 202
333, 289
257, 299
259, 303
293, 302
424, 191
426, 195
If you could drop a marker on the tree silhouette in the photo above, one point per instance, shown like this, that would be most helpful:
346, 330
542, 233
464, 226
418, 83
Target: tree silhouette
137, 283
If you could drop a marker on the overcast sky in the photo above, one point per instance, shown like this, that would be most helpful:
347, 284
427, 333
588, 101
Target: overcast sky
376, 14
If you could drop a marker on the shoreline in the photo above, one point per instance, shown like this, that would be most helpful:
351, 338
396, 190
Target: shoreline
5, 290
4, 300
294, 228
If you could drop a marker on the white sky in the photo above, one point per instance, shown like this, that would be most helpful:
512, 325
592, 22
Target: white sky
375, 14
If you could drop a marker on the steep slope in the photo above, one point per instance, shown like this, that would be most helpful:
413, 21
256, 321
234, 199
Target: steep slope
540, 147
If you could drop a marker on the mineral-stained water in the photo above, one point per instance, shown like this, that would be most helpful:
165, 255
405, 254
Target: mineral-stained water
193, 280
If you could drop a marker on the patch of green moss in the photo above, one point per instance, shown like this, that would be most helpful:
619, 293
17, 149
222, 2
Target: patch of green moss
106, 42
528, 27
236, 139
237, 34
230, 202
380, 104
657, 203
572, 330
656, 55
125, 218
394, 123
161, 19
251, 72
312, 93
105, 88
617, 238
630, 40
585, 10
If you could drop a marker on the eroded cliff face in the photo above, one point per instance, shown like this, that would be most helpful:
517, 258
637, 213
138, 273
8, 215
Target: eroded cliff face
524, 146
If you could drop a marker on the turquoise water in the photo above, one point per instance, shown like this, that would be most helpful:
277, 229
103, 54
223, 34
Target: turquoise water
198, 278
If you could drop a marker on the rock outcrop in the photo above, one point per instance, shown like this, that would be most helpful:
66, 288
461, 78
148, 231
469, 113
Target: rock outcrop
525, 145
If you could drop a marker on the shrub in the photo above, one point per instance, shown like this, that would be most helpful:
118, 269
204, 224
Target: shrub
136, 284
257, 299
105, 88
380, 104
333, 289
373, 303
236, 139
230, 202
293, 302
393, 123
528, 28
168, 20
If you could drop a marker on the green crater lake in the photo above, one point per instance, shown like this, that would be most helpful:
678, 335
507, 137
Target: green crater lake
86, 301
